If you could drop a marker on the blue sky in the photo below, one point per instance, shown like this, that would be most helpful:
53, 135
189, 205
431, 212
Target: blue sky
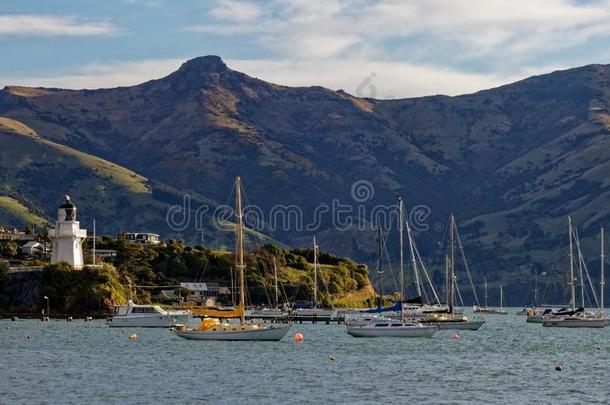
380, 48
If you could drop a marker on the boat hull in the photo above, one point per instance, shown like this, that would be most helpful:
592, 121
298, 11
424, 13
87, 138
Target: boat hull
408, 331
534, 319
269, 333
467, 325
575, 323
493, 311
153, 321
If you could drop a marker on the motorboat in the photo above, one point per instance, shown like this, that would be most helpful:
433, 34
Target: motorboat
146, 316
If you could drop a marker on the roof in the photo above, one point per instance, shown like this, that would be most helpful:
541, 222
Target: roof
31, 244
201, 286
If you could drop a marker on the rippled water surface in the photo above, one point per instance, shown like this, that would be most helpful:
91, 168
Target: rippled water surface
507, 361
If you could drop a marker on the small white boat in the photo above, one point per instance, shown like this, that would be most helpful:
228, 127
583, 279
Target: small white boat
315, 313
575, 321
146, 316
363, 319
534, 316
488, 310
265, 313
391, 328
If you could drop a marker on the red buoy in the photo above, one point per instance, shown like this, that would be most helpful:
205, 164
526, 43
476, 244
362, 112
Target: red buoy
298, 337
455, 336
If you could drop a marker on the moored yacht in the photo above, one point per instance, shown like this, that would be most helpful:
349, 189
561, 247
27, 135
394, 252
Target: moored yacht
580, 318
146, 316
212, 328
384, 327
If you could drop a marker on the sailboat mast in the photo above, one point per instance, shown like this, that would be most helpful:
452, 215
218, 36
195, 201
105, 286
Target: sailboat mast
485, 283
94, 237
580, 273
601, 278
452, 282
400, 232
536, 289
414, 261
315, 273
277, 302
240, 248
379, 271
447, 279
501, 298
571, 283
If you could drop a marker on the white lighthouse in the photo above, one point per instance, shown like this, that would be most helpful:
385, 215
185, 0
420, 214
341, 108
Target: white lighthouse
68, 237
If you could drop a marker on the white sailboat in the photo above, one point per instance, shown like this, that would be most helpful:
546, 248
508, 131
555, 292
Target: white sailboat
269, 313
314, 311
379, 326
212, 328
579, 317
486, 309
450, 319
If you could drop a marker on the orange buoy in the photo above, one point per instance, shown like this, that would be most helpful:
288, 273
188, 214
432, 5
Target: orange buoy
455, 336
298, 337
133, 337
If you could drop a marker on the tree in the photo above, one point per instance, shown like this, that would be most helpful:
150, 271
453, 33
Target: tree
3, 272
9, 248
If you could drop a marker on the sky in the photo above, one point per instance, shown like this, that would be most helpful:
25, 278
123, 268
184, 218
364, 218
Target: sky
371, 48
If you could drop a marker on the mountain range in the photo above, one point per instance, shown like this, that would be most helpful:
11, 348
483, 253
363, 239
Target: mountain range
511, 162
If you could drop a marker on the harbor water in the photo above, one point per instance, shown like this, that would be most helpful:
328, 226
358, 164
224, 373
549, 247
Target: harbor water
506, 361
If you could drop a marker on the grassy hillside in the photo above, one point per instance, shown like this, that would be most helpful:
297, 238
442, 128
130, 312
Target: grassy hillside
14, 213
35, 173
510, 162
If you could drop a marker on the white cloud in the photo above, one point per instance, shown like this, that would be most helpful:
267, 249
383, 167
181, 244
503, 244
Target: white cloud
236, 11
101, 75
48, 25
469, 29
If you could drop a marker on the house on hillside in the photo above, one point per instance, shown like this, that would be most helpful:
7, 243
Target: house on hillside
204, 292
145, 238
14, 234
32, 248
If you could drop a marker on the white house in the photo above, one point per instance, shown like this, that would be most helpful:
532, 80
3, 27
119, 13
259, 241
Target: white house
144, 238
32, 248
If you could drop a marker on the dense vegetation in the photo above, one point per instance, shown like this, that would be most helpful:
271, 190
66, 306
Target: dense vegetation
174, 262
93, 289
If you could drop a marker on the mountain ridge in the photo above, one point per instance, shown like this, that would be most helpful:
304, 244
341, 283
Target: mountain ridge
511, 161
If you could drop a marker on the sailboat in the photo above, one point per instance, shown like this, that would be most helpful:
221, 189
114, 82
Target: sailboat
312, 310
579, 317
274, 312
488, 310
450, 319
212, 328
380, 326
